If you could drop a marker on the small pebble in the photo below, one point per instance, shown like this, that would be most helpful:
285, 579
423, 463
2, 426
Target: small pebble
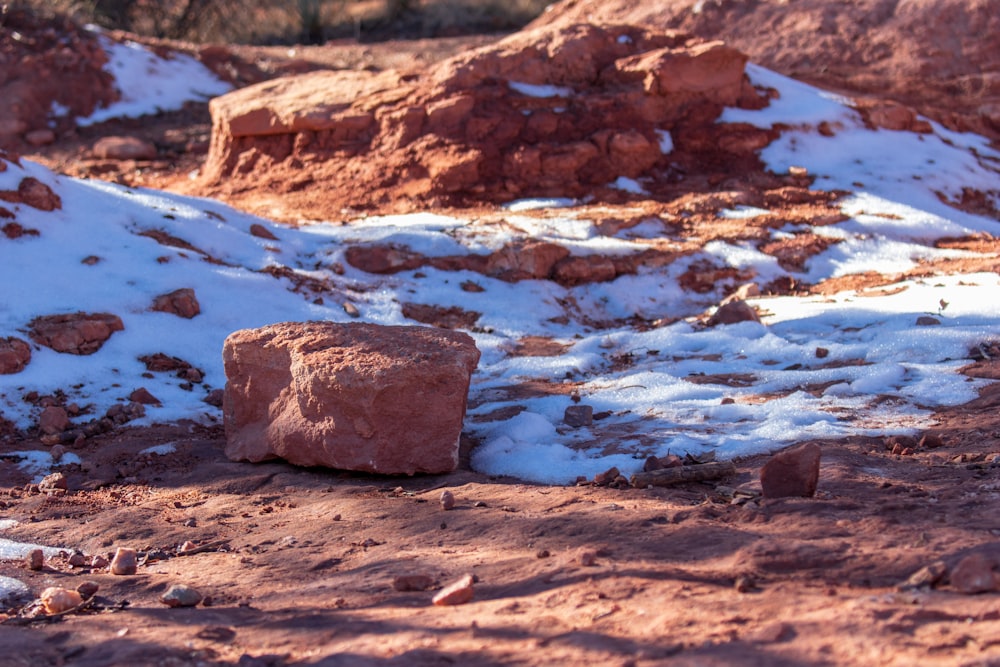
542, 553
124, 562
459, 592
587, 557
56, 600
77, 560
447, 500
35, 559
98, 562
180, 595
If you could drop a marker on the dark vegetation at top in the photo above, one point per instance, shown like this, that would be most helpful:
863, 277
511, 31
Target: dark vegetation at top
294, 21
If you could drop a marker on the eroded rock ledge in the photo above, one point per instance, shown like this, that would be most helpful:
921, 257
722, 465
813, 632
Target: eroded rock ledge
550, 112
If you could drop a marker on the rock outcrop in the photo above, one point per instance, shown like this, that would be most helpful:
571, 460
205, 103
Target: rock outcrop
364, 397
50, 71
552, 112
937, 56
75, 333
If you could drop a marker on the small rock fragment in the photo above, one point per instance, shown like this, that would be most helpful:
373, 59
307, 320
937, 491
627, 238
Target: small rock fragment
124, 148
733, 312
587, 557
142, 395
579, 415
745, 584
927, 321
927, 576
35, 559
772, 633
605, 478
180, 595
792, 472
98, 562
77, 559
262, 232
822, 353
542, 553
57, 600
351, 309
56, 452
125, 561
412, 582
447, 500
974, 574
88, 589
53, 482
459, 592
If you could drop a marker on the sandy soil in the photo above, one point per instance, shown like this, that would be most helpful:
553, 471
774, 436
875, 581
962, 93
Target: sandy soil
298, 566
300, 563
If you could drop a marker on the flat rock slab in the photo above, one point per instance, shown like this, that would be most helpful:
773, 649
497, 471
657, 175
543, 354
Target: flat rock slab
357, 396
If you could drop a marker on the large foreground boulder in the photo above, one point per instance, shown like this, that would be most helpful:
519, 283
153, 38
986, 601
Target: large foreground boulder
357, 396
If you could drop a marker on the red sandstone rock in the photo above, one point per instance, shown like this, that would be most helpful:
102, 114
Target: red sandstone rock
125, 561
182, 303
75, 333
32, 192
890, 50
550, 112
262, 232
975, 574
143, 396
48, 60
124, 148
459, 592
733, 312
792, 472
15, 354
355, 396
53, 419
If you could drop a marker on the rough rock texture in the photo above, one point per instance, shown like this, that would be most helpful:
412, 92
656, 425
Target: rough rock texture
15, 354
355, 396
44, 62
75, 333
939, 56
124, 148
32, 192
792, 472
182, 303
549, 112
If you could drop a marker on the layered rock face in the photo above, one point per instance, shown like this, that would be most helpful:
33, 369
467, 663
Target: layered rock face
549, 112
938, 56
366, 397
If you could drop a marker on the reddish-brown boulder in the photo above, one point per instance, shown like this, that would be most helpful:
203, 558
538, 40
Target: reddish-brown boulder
32, 192
792, 472
53, 419
733, 312
355, 396
75, 333
182, 303
124, 148
15, 354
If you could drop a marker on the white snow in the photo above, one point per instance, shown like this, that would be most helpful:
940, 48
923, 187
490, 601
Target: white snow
149, 83
540, 90
734, 390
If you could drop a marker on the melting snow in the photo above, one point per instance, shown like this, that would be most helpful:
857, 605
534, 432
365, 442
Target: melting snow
735, 390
